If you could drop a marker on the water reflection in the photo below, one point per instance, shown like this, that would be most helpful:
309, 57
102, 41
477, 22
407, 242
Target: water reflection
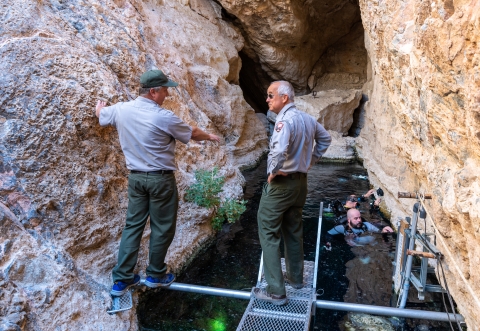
360, 274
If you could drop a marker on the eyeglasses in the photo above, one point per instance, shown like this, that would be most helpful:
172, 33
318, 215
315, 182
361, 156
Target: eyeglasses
271, 96
352, 199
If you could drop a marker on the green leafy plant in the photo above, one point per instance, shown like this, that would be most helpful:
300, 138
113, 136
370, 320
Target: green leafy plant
231, 210
205, 193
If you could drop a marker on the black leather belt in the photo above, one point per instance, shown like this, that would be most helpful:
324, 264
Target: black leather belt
293, 175
296, 175
158, 172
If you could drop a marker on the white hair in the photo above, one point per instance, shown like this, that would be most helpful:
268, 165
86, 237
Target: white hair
145, 90
285, 88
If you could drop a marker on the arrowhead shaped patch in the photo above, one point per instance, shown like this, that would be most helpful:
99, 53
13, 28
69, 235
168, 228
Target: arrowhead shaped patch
279, 127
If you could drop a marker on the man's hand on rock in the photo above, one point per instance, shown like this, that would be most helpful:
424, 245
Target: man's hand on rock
100, 105
213, 137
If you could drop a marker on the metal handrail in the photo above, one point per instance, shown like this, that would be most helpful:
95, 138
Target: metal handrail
323, 304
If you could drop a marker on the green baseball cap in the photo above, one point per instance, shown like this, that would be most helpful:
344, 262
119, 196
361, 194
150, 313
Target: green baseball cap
156, 78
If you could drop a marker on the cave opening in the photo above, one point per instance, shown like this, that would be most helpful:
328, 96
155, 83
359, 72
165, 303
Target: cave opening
254, 83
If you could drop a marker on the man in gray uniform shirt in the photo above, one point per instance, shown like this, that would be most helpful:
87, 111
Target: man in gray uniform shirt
147, 134
292, 152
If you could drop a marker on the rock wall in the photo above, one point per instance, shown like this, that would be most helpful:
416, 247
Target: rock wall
63, 177
422, 125
312, 44
289, 37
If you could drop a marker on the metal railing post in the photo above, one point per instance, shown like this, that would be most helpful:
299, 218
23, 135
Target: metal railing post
317, 253
411, 246
260, 271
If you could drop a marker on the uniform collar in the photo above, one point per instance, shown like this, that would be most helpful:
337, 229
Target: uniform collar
145, 100
285, 108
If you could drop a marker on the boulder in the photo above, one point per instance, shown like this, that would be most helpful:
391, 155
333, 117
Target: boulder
342, 149
333, 108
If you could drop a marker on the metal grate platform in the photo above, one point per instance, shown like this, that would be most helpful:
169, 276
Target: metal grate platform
121, 303
295, 315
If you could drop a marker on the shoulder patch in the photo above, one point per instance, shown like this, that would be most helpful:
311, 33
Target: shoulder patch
279, 127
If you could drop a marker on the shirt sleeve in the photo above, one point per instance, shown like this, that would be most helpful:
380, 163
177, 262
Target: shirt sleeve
322, 142
108, 116
371, 227
278, 147
179, 130
339, 229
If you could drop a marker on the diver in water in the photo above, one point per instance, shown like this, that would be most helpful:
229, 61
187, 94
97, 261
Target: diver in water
354, 228
353, 201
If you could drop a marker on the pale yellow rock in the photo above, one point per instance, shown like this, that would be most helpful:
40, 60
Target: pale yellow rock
422, 125
342, 149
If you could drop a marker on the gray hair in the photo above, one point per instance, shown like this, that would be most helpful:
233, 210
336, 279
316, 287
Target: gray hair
145, 90
285, 88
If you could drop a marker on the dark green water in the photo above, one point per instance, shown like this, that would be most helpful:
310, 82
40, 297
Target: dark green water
358, 274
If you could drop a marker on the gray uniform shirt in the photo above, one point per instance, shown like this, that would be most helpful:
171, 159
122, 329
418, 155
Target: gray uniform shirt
291, 144
147, 133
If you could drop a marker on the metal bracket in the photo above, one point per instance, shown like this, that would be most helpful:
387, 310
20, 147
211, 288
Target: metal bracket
121, 303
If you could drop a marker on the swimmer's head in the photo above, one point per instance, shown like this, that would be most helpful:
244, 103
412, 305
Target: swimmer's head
351, 201
354, 218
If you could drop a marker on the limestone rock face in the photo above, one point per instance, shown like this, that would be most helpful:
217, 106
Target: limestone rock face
287, 38
343, 65
422, 125
63, 177
333, 108
342, 149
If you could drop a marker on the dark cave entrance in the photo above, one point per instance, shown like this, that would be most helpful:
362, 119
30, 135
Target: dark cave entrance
254, 83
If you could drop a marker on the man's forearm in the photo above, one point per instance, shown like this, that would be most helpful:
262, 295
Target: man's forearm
200, 135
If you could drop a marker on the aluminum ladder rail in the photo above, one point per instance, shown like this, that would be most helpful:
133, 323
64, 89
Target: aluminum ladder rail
297, 313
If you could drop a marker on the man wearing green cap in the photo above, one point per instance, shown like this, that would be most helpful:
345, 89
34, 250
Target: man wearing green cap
147, 134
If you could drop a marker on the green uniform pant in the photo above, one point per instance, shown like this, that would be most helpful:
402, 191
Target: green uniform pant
148, 195
280, 212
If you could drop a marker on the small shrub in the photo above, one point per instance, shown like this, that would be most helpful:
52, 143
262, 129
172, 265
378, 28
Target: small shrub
231, 210
206, 189
205, 193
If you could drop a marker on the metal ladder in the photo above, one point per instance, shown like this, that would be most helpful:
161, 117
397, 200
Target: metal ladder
297, 313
